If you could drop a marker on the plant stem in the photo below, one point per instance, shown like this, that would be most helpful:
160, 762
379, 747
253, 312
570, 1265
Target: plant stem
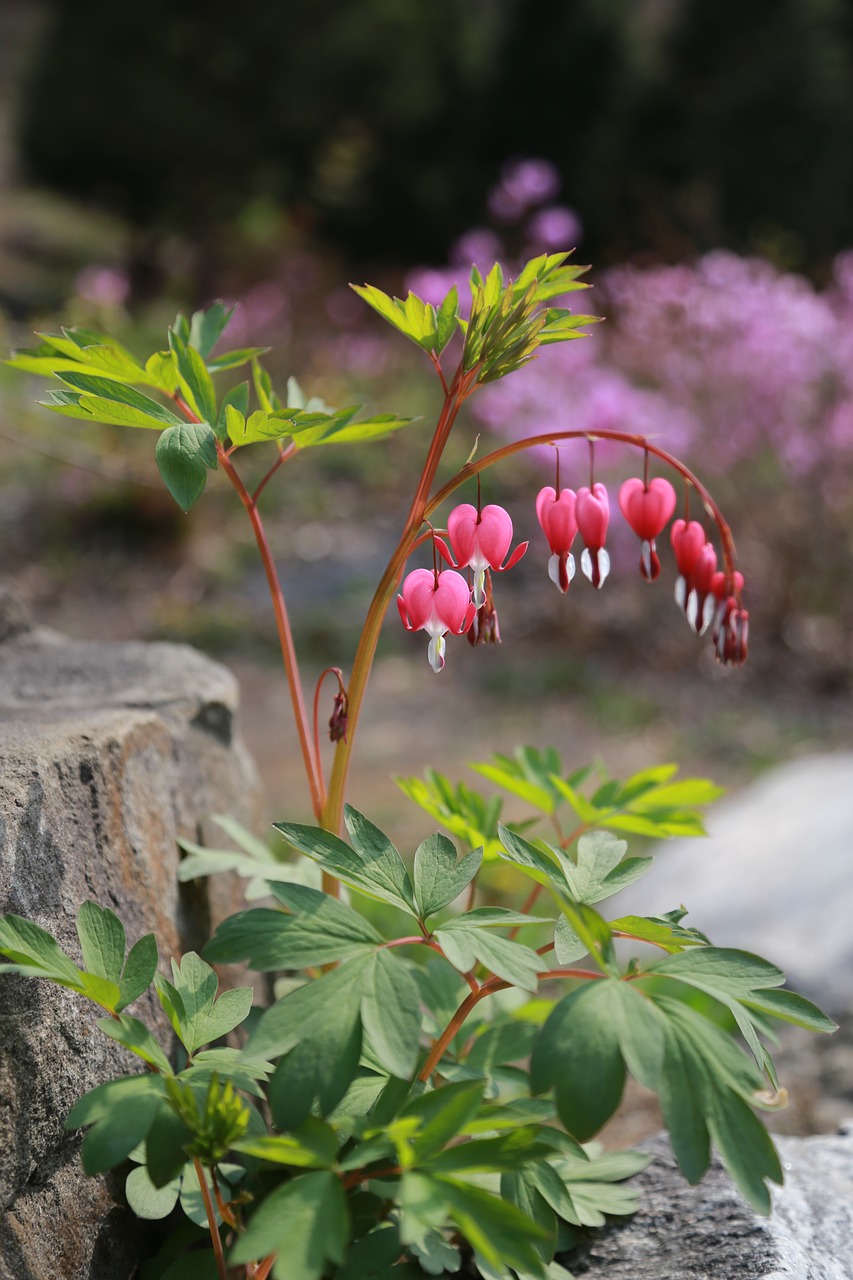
460, 387
313, 768
488, 988
215, 1237
622, 437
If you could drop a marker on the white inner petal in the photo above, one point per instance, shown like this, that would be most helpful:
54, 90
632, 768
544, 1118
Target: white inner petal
479, 588
708, 609
554, 569
692, 608
681, 591
435, 653
603, 565
586, 563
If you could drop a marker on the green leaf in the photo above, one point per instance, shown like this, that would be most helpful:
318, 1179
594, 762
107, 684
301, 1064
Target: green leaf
512, 961
443, 1114
437, 879
790, 1007
228, 1064
121, 1113
184, 453
379, 871
568, 945
446, 320
108, 400
578, 1053
414, 318
504, 1042
312, 1146
139, 970
102, 941
598, 854
390, 1013
510, 778
464, 812
746, 1148
136, 1037
322, 930
148, 1201
310, 1010
194, 380
660, 932
305, 1221
495, 1228
161, 372
383, 864
34, 953
538, 865
196, 1015
234, 359
207, 327
233, 408
721, 971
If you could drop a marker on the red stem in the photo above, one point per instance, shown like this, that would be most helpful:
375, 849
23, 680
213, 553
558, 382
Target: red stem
215, 1237
313, 767
282, 457
488, 988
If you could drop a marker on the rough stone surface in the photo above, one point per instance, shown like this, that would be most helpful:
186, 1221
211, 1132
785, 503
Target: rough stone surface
107, 754
707, 1233
774, 876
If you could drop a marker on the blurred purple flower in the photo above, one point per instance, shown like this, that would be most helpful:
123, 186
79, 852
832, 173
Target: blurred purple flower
554, 227
105, 286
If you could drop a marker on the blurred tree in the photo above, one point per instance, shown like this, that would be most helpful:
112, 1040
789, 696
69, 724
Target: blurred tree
380, 125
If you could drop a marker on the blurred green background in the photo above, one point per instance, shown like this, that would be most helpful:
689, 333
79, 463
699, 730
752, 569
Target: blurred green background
156, 155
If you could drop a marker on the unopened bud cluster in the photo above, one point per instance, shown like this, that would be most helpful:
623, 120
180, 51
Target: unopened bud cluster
443, 601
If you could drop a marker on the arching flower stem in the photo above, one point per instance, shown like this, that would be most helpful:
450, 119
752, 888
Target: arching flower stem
473, 468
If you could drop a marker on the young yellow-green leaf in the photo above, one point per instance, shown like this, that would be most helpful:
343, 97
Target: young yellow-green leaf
413, 317
161, 371
194, 380
108, 398
313, 1145
236, 403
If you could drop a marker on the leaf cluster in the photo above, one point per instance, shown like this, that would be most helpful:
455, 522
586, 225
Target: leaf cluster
508, 320
407, 1120
101, 380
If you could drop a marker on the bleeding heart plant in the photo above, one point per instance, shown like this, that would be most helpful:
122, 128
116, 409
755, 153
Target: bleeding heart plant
420, 1097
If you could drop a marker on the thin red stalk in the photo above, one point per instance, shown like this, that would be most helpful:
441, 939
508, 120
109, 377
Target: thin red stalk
265, 1267
623, 437
437, 363
313, 768
361, 1175
488, 988
282, 457
215, 1237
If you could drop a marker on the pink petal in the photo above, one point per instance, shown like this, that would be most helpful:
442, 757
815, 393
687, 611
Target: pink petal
687, 543
592, 509
451, 601
647, 510
494, 534
557, 518
419, 597
462, 531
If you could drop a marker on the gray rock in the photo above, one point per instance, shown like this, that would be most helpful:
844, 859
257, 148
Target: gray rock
708, 1233
107, 754
774, 876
